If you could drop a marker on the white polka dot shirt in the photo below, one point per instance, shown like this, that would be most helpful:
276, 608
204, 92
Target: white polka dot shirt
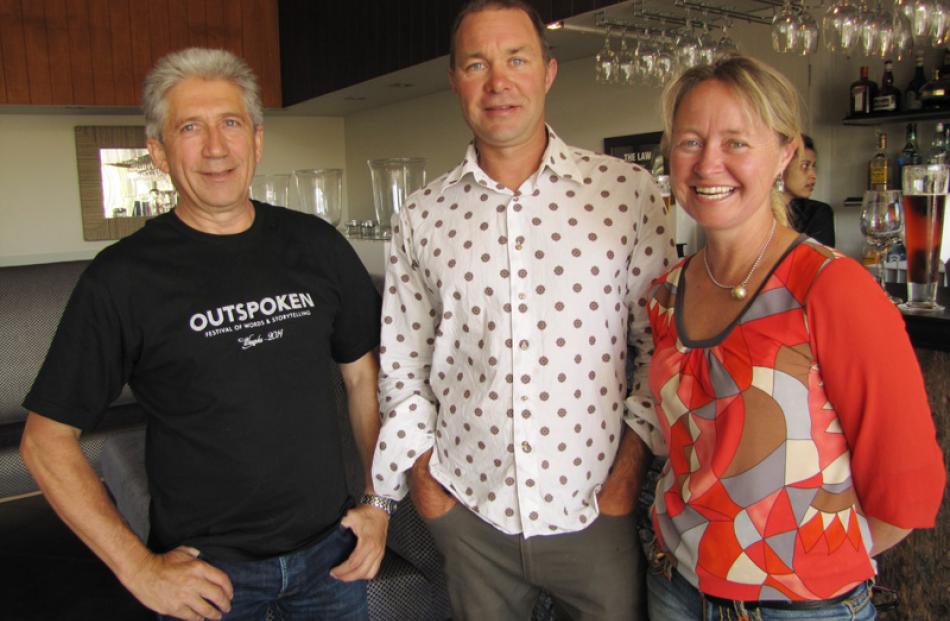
505, 334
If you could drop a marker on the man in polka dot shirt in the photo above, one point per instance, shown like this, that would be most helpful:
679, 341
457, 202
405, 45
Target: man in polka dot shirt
516, 286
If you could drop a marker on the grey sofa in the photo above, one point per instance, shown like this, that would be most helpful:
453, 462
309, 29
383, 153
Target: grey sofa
411, 584
32, 299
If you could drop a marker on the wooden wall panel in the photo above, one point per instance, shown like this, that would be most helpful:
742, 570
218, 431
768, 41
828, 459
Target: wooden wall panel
269, 72
197, 26
13, 46
100, 44
80, 53
125, 89
57, 36
37, 52
3, 80
178, 25
159, 40
215, 26
140, 27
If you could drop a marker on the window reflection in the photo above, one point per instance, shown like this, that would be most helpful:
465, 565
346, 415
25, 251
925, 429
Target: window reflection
132, 186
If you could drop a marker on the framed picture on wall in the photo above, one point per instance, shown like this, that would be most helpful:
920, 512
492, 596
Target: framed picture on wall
642, 149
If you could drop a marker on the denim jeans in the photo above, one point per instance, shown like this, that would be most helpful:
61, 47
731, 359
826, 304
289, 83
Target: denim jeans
678, 600
296, 586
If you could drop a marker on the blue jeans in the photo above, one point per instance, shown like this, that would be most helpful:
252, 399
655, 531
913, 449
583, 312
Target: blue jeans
678, 600
296, 586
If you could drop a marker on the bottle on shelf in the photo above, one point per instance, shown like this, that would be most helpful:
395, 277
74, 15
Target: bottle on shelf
863, 92
910, 154
938, 147
912, 92
888, 98
935, 94
878, 167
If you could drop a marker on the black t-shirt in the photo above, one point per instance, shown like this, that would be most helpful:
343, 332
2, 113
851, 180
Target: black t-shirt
813, 218
227, 342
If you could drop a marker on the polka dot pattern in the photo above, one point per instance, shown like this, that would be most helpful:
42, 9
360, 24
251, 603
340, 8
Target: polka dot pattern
505, 336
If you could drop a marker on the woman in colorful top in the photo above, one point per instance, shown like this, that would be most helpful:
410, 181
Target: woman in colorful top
789, 400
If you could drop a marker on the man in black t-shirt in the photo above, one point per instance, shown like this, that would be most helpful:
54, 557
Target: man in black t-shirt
224, 317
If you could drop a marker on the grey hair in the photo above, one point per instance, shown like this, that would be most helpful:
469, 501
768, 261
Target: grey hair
196, 62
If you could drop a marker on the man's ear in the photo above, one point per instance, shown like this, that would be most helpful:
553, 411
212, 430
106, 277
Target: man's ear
258, 143
550, 73
156, 151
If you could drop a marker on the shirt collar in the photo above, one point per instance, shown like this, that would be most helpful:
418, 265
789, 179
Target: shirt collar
557, 158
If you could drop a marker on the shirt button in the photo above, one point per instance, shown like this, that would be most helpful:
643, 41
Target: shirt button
522, 296
519, 246
524, 397
523, 345
525, 447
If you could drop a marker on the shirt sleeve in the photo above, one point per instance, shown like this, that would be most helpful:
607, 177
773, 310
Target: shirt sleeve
87, 363
872, 378
409, 324
654, 254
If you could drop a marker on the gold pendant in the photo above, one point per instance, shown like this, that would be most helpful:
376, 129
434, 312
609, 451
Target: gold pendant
738, 292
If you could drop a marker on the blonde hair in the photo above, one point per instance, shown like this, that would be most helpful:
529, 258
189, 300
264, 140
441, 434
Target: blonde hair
767, 93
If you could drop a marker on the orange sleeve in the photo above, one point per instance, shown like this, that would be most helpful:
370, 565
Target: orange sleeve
873, 380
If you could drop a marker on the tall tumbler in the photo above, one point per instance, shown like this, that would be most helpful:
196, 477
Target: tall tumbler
925, 195
273, 189
320, 192
393, 180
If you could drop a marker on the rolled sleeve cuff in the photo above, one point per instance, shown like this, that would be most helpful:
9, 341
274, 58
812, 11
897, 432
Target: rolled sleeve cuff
406, 433
641, 418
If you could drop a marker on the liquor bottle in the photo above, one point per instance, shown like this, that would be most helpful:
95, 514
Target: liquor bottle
862, 94
878, 166
938, 148
888, 98
910, 154
912, 92
935, 95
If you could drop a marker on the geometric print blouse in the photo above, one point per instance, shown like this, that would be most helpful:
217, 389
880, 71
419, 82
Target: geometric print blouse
757, 500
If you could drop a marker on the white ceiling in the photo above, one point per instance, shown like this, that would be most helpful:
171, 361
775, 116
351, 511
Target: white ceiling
430, 77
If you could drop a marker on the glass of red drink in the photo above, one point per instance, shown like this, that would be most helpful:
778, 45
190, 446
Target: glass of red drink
925, 195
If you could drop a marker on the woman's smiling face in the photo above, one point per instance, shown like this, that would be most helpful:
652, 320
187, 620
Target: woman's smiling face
723, 158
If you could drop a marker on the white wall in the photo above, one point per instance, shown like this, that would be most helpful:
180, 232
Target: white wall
39, 186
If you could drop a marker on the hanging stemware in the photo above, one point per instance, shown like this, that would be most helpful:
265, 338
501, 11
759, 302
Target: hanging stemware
784, 30
840, 26
605, 63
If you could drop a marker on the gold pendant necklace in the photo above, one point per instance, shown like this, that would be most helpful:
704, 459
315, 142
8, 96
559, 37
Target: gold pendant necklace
739, 291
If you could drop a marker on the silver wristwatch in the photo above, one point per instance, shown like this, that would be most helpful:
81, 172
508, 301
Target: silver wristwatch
380, 502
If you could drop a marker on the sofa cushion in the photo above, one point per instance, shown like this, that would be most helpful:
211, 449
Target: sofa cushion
32, 299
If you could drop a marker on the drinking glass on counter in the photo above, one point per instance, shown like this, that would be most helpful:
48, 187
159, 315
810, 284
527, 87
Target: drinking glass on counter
320, 193
881, 222
925, 195
273, 189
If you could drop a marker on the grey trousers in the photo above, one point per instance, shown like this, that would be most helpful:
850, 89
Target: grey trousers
594, 574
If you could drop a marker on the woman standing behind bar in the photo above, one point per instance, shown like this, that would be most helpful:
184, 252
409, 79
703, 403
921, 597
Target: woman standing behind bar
790, 402
813, 218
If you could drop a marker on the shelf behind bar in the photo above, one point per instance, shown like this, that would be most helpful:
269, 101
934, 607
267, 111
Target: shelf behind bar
880, 118
927, 330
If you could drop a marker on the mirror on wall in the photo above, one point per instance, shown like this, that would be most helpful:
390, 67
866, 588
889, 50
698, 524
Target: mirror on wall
119, 187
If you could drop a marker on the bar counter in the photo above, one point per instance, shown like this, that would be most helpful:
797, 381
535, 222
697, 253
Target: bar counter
927, 330
919, 567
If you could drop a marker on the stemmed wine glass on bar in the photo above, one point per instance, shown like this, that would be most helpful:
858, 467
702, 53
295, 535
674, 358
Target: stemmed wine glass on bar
881, 223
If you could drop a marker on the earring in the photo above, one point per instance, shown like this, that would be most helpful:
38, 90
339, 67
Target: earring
779, 184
